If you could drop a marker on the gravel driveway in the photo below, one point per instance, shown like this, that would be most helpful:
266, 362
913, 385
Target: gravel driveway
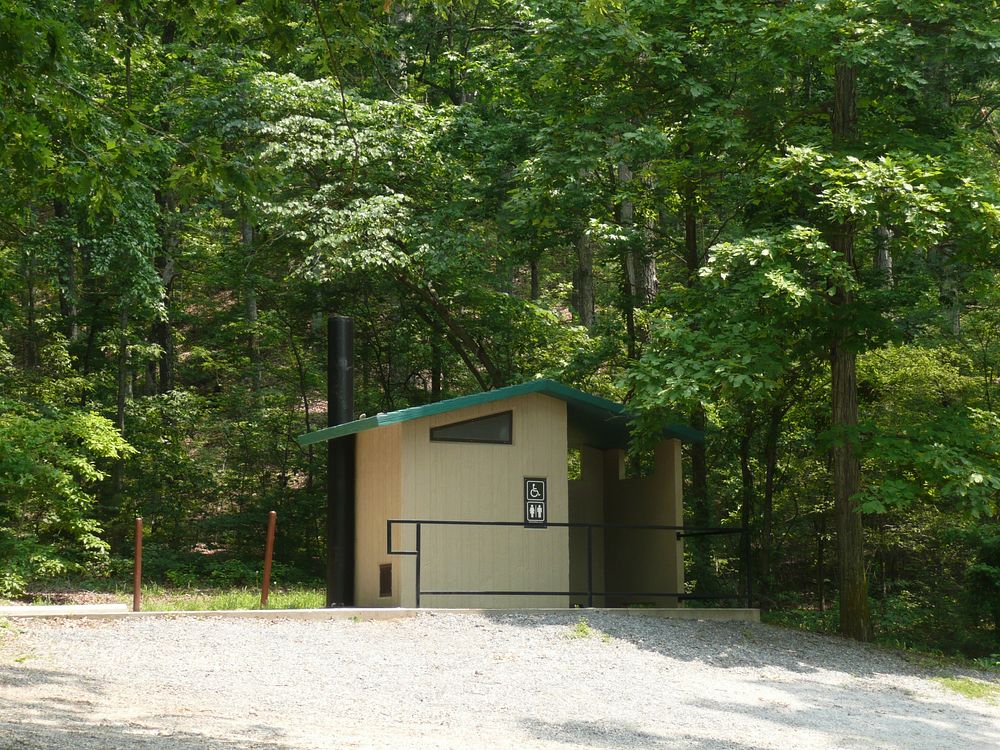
466, 681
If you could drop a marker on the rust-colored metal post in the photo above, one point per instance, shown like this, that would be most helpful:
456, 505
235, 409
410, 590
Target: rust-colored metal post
137, 575
272, 519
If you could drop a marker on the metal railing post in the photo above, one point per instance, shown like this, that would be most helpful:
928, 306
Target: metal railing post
748, 565
418, 565
265, 588
590, 566
137, 567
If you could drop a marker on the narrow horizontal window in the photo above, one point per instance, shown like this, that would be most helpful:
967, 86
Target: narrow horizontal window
495, 428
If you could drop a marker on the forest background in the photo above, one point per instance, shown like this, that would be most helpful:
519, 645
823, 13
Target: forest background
777, 220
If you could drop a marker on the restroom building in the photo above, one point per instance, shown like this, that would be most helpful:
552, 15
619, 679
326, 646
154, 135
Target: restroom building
518, 497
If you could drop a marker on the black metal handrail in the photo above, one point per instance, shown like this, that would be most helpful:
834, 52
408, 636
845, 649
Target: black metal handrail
681, 531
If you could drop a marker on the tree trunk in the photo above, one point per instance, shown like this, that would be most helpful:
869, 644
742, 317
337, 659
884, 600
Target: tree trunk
692, 257
747, 484
536, 289
628, 273
398, 64
821, 563
949, 283
703, 509
68, 293
112, 510
854, 615
883, 254
304, 395
702, 512
767, 510
853, 584
642, 278
253, 341
436, 377
583, 279
124, 379
638, 264
250, 304
163, 335
30, 344
163, 329
93, 302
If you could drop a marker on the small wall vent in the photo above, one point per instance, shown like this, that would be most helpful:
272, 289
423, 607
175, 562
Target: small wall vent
385, 580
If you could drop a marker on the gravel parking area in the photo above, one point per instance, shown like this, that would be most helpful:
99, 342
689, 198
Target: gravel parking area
466, 681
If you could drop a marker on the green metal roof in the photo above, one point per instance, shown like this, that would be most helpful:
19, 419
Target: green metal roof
602, 423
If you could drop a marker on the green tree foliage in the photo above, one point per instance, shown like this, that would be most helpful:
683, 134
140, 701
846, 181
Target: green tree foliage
50, 465
691, 206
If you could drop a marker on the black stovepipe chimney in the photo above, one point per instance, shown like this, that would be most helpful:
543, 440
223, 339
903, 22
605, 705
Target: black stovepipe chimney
340, 464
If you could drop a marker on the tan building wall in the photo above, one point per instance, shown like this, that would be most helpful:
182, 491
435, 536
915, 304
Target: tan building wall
636, 560
378, 496
402, 474
472, 481
586, 505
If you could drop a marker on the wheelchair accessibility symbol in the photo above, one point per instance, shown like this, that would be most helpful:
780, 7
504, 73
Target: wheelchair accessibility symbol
534, 489
535, 501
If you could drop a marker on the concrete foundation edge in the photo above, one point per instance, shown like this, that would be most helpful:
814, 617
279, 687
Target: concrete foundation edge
63, 610
346, 613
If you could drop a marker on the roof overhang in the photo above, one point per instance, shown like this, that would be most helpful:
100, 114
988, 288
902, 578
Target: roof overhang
599, 422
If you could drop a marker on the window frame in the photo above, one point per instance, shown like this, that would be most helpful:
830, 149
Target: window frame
509, 414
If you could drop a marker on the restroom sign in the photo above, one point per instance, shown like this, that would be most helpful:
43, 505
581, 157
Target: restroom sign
535, 501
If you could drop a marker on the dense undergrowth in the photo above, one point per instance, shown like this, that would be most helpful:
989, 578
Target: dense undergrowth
940, 632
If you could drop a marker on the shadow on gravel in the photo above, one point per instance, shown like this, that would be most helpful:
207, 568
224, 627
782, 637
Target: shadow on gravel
601, 735
819, 694
70, 723
593, 734
25, 676
82, 736
726, 645
856, 719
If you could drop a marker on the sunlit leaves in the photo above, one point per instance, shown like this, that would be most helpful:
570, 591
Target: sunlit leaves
924, 441
48, 468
